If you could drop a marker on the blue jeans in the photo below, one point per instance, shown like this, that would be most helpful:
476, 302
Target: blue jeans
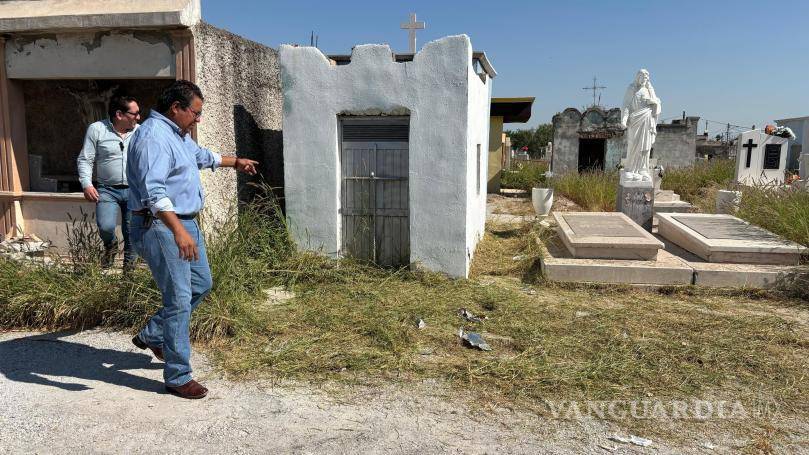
110, 202
183, 285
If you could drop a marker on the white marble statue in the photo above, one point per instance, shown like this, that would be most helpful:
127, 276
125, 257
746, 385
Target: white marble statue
639, 116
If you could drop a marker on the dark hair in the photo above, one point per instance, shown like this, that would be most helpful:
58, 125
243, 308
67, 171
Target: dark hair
181, 91
119, 103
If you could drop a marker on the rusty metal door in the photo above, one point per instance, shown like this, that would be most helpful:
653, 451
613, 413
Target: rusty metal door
374, 200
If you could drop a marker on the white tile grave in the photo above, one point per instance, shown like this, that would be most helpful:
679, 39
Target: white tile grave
605, 235
725, 238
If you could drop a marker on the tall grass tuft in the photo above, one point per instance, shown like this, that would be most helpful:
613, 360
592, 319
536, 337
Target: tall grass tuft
593, 191
251, 244
784, 211
693, 183
525, 177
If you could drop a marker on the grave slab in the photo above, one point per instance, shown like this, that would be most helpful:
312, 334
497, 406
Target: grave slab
726, 239
557, 264
605, 235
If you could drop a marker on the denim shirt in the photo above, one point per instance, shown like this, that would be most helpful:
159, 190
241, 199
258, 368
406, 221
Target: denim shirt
103, 149
163, 168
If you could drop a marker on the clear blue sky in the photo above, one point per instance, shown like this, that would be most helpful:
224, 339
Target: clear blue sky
743, 62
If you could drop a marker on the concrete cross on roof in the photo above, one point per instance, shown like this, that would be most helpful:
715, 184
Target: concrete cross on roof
411, 27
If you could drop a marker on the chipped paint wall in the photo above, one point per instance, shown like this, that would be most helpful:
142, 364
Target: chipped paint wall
445, 216
86, 55
242, 113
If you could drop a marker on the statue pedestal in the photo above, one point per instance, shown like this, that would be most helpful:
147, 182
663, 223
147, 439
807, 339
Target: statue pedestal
636, 200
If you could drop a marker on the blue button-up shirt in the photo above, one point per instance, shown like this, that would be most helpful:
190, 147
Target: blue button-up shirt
105, 149
163, 168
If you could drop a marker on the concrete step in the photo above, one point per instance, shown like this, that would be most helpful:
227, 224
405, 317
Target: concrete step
666, 196
672, 207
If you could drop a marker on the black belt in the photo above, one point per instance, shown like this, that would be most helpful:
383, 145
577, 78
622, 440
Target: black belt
148, 213
120, 187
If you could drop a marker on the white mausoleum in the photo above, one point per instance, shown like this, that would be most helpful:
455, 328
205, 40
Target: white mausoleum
385, 155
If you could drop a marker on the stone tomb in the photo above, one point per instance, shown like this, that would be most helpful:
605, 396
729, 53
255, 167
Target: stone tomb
761, 158
605, 235
725, 238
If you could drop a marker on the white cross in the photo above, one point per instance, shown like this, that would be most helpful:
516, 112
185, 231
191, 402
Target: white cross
411, 28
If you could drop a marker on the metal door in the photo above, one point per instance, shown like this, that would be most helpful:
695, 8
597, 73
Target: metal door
374, 199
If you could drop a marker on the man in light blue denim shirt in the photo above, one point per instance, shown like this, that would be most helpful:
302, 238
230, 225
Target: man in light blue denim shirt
165, 196
105, 148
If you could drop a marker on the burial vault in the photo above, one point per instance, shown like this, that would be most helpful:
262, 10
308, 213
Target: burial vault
594, 140
62, 61
385, 155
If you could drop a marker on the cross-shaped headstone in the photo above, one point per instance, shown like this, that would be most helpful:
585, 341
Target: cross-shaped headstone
749, 146
411, 28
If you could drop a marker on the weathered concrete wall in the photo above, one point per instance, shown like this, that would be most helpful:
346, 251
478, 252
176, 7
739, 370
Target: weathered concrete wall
595, 123
616, 149
799, 126
566, 141
86, 55
676, 143
477, 165
434, 89
242, 114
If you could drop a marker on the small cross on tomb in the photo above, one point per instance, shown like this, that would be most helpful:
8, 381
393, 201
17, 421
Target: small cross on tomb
411, 28
749, 146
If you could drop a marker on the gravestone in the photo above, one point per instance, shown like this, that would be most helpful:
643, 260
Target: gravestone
725, 238
605, 235
636, 200
761, 158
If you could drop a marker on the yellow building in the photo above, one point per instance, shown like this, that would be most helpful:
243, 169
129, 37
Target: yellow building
503, 110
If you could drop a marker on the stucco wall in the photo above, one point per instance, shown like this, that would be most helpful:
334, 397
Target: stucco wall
434, 89
242, 114
102, 55
799, 126
478, 127
676, 143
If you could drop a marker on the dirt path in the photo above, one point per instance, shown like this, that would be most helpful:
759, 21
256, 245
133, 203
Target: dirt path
93, 392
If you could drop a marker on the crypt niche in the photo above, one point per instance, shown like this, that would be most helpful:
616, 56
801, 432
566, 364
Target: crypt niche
57, 114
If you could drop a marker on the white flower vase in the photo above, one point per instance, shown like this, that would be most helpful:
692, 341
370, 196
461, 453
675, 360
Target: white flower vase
542, 198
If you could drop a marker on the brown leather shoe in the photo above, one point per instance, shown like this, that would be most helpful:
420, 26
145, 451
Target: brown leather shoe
192, 390
155, 350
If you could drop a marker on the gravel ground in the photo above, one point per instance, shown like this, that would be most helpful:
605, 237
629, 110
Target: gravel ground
93, 392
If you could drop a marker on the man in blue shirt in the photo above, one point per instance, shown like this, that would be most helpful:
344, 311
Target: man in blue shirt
165, 196
105, 148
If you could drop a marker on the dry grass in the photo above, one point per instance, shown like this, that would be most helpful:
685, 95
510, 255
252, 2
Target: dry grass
357, 323
592, 191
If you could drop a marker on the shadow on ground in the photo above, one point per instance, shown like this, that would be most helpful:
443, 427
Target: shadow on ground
48, 359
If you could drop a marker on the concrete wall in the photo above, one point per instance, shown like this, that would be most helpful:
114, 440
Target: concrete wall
47, 217
85, 55
435, 90
571, 125
676, 143
243, 106
616, 149
478, 127
566, 141
495, 151
799, 126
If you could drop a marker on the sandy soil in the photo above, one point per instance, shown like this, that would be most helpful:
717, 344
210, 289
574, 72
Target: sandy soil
93, 392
